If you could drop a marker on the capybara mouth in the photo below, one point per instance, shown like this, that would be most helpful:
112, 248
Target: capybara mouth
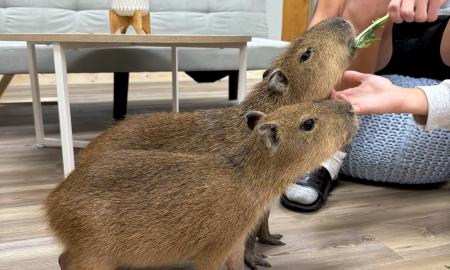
353, 48
353, 128
351, 38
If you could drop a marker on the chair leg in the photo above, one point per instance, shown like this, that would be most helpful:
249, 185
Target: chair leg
4, 82
233, 79
121, 80
212, 76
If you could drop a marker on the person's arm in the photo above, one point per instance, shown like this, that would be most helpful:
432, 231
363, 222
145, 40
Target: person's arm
430, 104
438, 98
326, 9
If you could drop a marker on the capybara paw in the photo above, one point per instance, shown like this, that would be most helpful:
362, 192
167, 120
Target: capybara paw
253, 259
271, 239
276, 236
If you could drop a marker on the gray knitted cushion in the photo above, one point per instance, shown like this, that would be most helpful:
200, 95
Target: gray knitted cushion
390, 147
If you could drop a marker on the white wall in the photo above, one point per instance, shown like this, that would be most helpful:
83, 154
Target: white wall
274, 18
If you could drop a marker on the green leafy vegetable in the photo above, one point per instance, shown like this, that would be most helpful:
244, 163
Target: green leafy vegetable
367, 37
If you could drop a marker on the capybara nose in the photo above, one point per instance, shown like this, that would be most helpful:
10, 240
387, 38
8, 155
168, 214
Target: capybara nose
351, 113
347, 107
344, 26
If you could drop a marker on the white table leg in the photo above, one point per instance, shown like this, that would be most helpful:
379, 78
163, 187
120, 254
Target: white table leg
65, 123
175, 101
242, 73
35, 94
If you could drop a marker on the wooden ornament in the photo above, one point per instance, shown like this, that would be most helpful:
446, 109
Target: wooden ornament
124, 13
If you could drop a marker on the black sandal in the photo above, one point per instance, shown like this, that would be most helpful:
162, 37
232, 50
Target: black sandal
320, 180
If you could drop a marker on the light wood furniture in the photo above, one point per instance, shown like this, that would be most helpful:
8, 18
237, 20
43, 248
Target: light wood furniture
61, 42
295, 18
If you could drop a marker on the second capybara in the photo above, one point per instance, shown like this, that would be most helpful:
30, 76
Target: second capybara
140, 208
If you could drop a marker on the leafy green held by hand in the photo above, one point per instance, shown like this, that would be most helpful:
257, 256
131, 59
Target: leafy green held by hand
367, 37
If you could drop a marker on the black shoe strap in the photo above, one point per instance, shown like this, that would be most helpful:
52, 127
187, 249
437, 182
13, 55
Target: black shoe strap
319, 180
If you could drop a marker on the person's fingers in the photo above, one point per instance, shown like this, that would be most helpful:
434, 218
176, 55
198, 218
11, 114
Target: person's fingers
421, 11
341, 96
394, 11
348, 92
349, 96
356, 109
433, 10
407, 10
355, 76
333, 94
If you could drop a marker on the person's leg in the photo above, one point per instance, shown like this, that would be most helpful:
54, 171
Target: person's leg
311, 192
445, 45
385, 48
361, 14
417, 50
326, 9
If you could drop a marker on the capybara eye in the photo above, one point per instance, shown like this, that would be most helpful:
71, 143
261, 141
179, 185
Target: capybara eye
306, 55
308, 125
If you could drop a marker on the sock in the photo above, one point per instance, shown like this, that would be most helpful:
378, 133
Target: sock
308, 195
301, 194
334, 164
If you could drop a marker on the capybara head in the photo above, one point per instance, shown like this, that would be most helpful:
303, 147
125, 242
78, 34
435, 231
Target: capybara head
313, 63
306, 133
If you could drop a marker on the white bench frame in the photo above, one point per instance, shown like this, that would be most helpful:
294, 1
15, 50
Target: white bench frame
61, 42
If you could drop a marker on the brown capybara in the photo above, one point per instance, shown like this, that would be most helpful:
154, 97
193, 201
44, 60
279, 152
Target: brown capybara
307, 70
140, 208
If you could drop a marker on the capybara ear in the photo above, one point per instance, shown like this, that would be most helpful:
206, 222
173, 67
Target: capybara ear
253, 118
268, 133
278, 83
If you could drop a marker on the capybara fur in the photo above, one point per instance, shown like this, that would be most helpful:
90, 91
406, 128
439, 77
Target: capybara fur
139, 208
307, 70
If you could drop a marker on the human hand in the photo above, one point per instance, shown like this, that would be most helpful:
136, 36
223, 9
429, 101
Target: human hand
414, 10
376, 94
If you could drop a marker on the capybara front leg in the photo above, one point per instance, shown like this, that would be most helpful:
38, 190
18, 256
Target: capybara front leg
264, 235
251, 258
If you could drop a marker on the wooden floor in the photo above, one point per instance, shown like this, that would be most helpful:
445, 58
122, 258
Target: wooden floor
362, 226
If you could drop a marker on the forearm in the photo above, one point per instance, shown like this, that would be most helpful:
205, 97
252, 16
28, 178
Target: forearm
413, 100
